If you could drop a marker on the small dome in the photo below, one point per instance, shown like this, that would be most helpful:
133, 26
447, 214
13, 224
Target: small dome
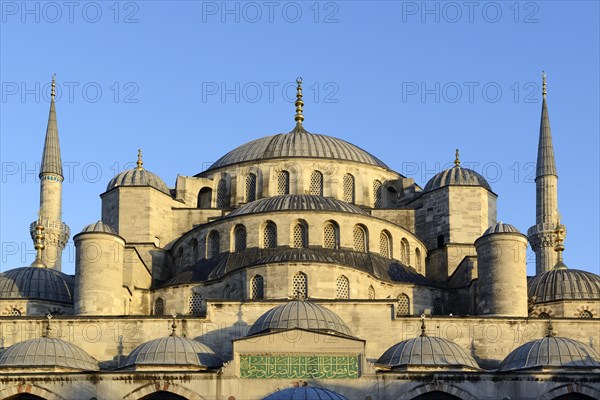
300, 202
305, 393
551, 352
173, 351
47, 353
300, 314
564, 284
138, 177
456, 176
36, 283
297, 144
427, 351
98, 227
500, 228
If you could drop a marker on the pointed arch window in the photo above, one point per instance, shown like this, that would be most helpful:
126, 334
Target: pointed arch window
300, 286
418, 260
360, 239
385, 245
371, 293
257, 289
222, 198
331, 236
205, 197
402, 305
316, 183
377, 193
283, 182
159, 307
342, 288
214, 244
270, 236
300, 236
404, 252
349, 188
239, 237
250, 188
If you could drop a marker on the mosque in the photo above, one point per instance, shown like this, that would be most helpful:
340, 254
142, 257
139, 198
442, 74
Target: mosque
272, 275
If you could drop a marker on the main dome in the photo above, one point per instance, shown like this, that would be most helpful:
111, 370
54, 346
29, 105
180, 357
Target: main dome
36, 283
297, 144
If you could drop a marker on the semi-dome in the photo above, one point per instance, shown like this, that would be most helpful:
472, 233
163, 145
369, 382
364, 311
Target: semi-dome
456, 176
297, 144
98, 227
305, 393
551, 352
300, 314
36, 283
47, 352
138, 177
297, 202
564, 284
427, 351
173, 351
500, 227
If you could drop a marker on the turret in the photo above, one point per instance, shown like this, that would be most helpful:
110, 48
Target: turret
546, 189
502, 272
50, 214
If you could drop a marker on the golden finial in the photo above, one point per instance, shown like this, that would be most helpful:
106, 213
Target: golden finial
559, 247
38, 245
299, 103
139, 161
174, 324
543, 83
53, 90
423, 325
456, 159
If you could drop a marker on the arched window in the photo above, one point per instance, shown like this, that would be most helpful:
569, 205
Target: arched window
213, 246
14, 312
402, 305
195, 252
316, 183
404, 252
377, 193
270, 236
300, 236
222, 198
205, 197
239, 237
349, 188
418, 260
250, 188
371, 293
195, 304
300, 286
438, 306
385, 245
331, 236
159, 307
283, 182
544, 315
392, 197
360, 239
257, 290
342, 288
586, 314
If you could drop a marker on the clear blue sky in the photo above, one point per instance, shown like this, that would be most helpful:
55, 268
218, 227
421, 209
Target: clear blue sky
188, 80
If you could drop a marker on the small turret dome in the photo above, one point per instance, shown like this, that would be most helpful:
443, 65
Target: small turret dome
551, 352
427, 351
456, 176
501, 228
300, 314
564, 284
36, 283
138, 177
305, 393
98, 227
47, 352
173, 351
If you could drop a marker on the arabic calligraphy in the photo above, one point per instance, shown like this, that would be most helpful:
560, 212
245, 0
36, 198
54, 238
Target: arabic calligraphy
299, 366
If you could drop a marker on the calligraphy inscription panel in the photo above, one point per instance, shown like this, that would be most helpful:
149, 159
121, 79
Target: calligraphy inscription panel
287, 366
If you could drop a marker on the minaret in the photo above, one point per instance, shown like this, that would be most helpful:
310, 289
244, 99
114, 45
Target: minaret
51, 178
541, 235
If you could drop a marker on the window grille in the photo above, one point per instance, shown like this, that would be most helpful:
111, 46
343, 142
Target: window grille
159, 307
349, 188
214, 244
270, 236
300, 286
283, 182
404, 252
222, 194
14, 313
330, 236
384, 245
240, 238
377, 193
250, 188
316, 183
544, 315
257, 291
586, 314
342, 288
360, 239
402, 305
195, 304
300, 236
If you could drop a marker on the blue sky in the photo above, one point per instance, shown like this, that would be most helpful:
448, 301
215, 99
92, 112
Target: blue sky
187, 81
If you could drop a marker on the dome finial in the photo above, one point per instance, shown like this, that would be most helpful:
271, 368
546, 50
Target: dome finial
456, 159
38, 245
174, 325
48, 327
544, 83
53, 90
299, 118
559, 246
423, 316
139, 160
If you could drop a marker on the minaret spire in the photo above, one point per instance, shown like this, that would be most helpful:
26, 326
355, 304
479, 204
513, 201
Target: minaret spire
299, 117
541, 236
56, 233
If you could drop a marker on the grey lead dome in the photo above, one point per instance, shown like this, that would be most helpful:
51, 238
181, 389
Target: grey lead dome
457, 176
304, 202
305, 393
297, 144
551, 352
47, 353
500, 228
36, 283
300, 314
138, 177
564, 284
98, 227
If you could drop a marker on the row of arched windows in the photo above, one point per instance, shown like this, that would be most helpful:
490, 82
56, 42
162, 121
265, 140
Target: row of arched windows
283, 187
